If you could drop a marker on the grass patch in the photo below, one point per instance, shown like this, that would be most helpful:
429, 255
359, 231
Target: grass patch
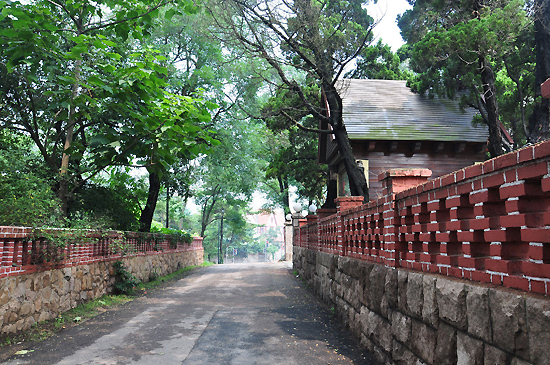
43, 330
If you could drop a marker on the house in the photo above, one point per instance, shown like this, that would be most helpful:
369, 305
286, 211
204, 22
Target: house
390, 127
269, 224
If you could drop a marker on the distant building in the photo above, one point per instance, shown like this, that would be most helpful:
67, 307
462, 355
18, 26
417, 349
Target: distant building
266, 221
391, 127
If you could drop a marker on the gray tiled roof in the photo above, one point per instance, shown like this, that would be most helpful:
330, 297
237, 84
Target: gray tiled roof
389, 110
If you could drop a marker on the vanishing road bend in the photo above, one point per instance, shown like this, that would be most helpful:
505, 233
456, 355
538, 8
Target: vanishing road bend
223, 314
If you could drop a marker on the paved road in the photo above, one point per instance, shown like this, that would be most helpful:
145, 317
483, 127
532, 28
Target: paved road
222, 314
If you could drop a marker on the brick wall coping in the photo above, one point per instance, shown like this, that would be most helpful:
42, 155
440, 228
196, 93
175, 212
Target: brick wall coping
21, 254
404, 172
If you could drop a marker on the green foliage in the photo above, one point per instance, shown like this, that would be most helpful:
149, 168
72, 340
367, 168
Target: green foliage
292, 152
115, 207
378, 62
447, 40
79, 72
175, 236
125, 283
26, 197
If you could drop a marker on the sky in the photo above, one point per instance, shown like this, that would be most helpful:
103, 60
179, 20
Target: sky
386, 11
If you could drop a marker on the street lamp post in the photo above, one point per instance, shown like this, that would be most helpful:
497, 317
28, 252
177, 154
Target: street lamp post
220, 250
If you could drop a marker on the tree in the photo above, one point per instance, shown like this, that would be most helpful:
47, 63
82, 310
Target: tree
314, 38
230, 174
86, 101
194, 64
292, 157
378, 62
460, 45
26, 198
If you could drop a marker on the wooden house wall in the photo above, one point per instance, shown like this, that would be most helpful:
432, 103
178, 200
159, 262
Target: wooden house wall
440, 163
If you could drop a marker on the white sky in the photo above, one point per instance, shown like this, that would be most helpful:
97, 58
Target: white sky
386, 11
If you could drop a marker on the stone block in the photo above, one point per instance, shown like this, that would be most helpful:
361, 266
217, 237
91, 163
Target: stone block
364, 318
44, 315
25, 309
380, 356
4, 297
445, 351
337, 276
379, 331
365, 283
493, 355
366, 343
478, 313
469, 350
377, 281
402, 277
538, 320
323, 259
508, 320
353, 297
391, 288
401, 327
384, 308
402, 356
344, 264
415, 299
518, 361
451, 302
67, 273
333, 266
423, 341
346, 280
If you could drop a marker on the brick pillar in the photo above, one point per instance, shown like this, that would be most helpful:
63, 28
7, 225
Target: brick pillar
288, 241
343, 204
396, 180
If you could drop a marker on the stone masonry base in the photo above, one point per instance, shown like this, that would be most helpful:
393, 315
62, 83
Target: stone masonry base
408, 317
31, 298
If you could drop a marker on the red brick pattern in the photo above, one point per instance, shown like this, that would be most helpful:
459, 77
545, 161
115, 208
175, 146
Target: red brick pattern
20, 255
489, 222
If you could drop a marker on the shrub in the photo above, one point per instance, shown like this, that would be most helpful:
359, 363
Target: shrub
125, 283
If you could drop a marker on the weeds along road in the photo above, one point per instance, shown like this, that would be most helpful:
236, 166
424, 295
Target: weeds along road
222, 314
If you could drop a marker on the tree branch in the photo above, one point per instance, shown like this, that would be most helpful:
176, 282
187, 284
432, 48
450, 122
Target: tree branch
304, 128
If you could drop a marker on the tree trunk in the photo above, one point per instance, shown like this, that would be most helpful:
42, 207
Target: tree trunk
285, 194
147, 213
357, 181
539, 123
332, 191
491, 106
63, 192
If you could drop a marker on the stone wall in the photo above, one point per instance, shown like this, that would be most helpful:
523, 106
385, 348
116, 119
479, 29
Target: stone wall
29, 298
412, 317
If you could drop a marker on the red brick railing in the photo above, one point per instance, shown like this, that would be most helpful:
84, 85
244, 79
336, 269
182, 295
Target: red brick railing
22, 251
489, 222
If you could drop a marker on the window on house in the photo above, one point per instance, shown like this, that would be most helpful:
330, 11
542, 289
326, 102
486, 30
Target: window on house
343, 180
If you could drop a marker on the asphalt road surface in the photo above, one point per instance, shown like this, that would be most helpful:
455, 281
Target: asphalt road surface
222, 314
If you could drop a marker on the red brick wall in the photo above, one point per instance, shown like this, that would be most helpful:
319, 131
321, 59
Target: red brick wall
488, 222
18, 252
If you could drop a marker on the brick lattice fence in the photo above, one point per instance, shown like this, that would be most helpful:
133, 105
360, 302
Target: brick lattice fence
487, 222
